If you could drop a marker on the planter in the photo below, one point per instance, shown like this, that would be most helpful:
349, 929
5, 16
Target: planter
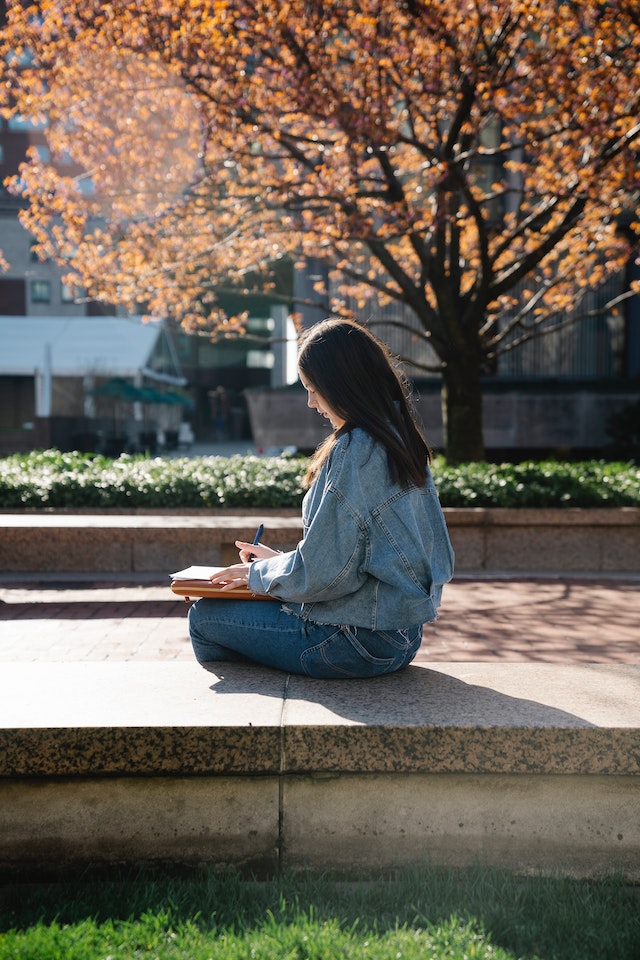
527, 541
566, 540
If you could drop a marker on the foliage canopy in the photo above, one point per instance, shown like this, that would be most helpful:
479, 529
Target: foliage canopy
471, 161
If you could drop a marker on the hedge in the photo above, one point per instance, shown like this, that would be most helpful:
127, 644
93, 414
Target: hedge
73, 480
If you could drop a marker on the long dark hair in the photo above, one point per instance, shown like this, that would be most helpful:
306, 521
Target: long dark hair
356, 375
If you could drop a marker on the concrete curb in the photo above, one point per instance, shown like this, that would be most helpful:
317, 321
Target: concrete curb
518, 540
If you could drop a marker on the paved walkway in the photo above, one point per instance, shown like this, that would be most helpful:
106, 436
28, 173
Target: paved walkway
488, 617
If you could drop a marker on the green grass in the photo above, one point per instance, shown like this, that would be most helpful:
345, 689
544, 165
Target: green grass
422, 914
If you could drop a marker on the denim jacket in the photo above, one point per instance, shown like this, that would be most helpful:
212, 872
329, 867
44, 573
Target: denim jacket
373, 554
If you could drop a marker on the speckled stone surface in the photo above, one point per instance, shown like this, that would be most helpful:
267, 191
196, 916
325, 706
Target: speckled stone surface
128, 542
86, 719
176, 718
531, 766
139, 694
564, 539
470, 718
499, 539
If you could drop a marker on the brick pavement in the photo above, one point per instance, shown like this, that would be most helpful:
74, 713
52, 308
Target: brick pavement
488, 617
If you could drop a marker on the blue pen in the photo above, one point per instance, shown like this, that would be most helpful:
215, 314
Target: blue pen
256, 539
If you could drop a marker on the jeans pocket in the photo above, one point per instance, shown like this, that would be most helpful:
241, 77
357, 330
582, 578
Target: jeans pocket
354, 653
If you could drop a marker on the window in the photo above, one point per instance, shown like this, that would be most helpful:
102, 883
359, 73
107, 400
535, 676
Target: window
40, 291
67, 293
86, 185
43, 152
13, 297
19, 124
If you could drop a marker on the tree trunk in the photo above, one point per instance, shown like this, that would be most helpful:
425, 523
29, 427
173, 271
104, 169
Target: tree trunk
462, 410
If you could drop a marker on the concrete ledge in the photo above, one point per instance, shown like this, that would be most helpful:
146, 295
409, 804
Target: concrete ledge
532, 766
533, 540
112, 543
574, 540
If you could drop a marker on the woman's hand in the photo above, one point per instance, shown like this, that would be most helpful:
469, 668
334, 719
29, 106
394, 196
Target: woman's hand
237, 575
257, 550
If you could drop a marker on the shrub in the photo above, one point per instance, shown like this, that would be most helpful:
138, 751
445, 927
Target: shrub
52, 479
539, 484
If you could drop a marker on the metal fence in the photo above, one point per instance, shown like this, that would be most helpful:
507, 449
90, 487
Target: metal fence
589, 343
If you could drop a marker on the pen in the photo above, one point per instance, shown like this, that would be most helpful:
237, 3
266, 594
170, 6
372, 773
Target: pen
256, 539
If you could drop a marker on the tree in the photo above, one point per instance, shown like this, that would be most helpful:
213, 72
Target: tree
470, 160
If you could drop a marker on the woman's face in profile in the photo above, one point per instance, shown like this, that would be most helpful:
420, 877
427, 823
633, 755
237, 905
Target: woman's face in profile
316, 402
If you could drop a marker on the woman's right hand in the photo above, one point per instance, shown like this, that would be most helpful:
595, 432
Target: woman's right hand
257, 550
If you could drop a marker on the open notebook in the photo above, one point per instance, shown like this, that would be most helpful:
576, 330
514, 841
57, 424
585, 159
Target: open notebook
195, 582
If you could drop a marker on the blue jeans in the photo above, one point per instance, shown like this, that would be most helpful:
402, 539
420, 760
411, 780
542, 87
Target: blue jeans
265, 632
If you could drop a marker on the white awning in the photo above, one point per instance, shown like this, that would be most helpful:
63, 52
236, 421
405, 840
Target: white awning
79, 346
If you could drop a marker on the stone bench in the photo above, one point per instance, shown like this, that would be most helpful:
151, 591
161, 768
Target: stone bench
532, 540
529, 766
